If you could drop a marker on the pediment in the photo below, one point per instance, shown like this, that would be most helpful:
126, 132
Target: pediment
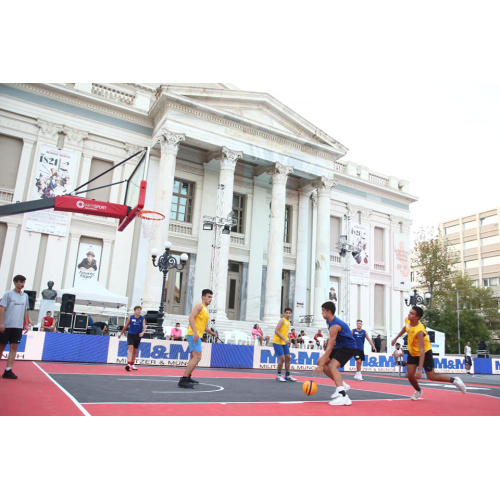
258, 110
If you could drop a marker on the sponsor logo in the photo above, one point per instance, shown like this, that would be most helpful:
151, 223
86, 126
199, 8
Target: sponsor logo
80, 204
148, 354
449, 364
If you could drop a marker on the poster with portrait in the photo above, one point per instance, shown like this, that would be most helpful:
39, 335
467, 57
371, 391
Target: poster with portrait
361, 258
334, 292
401, 262
54, 176
87, 264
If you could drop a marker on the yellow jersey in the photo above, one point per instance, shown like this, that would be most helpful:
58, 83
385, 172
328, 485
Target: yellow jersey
284, 333
413, 340
201, 321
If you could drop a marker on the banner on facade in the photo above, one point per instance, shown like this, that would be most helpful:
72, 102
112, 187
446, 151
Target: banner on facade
334, 292
401, 262
360, 263
55, 175
87, 264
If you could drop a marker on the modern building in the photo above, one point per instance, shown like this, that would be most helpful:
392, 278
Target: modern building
290, 193
476, 239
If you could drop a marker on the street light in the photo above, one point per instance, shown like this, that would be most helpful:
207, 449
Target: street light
458, 317
414, 299
166, 261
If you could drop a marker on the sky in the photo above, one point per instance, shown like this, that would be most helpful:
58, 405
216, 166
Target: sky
442, 138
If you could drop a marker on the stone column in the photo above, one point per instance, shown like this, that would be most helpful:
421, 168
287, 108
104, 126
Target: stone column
163, 201
272, 306
301, 307
322, 262
228, 161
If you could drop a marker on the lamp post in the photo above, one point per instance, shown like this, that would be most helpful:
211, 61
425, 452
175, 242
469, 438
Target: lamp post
166, 261
414, 299
458, 318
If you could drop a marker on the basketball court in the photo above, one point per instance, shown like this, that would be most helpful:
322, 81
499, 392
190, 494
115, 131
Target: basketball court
60, 389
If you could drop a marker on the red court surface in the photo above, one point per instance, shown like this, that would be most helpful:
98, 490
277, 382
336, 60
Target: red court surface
37, 393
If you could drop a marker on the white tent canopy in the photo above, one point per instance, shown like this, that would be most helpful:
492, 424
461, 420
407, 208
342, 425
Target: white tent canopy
94, 294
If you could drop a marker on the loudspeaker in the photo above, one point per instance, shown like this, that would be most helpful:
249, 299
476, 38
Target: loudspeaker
432, 336
65, 320
68, 303
151, 317
81, 321
32, 298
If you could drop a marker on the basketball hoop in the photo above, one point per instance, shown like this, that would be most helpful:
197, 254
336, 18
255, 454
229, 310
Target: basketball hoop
149, 217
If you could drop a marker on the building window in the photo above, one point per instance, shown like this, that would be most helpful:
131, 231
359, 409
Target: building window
379, 255
490, 282
287, 237
379, 307
492, 240
335, 228
469, 225
468, 245
97, 168
239, 212
490, 219
182, 201
471, 264
491, 261
451, 229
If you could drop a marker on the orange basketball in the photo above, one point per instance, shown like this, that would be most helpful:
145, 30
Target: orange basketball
309, 387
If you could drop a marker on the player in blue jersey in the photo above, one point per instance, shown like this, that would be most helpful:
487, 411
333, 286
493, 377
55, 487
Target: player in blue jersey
340, 349
136, 326
360, 336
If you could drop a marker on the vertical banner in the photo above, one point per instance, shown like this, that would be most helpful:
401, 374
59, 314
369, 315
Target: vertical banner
55, 176
360, 265
87, 264
401, 262
334, 292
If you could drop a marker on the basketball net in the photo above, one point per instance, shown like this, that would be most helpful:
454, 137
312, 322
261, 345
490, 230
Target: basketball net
149, 222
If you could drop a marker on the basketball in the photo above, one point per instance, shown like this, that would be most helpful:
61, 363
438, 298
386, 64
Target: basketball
309, 387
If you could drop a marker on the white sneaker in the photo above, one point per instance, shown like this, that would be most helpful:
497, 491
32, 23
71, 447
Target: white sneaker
358, 377
336, 394
290, 379
458, 383
416, 395
279, 378
341, 401
134, 367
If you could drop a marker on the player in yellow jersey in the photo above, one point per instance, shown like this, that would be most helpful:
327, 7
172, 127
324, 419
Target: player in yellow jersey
281, 345
420, 354
198, 324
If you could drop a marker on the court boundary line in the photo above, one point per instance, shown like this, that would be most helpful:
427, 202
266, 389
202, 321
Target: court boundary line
72, 398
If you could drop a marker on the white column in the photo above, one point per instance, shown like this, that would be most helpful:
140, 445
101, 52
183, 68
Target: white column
23, 172
163, 202
312, 255
228, 161
301, 306
272, 306
85, 173
322, 262
105, 262
8, 256
70, 264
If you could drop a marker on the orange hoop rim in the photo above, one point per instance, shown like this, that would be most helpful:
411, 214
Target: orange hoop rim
150, 215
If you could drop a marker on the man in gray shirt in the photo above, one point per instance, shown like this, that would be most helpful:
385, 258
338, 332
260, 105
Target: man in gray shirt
13, 313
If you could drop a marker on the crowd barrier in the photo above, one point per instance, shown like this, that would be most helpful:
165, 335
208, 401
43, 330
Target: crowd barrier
67, 347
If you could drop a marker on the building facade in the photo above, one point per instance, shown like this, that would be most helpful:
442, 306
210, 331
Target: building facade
476, 239
215, 151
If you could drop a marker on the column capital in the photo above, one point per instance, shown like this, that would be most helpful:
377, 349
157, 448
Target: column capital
279, 172
75, 137
324, 185
169, 141
228, 158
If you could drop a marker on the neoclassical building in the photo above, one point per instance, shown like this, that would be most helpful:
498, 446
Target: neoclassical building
216, 151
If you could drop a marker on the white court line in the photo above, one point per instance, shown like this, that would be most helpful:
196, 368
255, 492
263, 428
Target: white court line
78, 405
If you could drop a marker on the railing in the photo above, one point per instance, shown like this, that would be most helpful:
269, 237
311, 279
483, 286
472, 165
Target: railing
379, 267
335, 258
176, 227
113, 94
376, 179
6, 194
287, 248
238, 239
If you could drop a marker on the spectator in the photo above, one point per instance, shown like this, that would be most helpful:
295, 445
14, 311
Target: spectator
300, 340
99, 327
468, 357
399, 355
318, 338
257, 333
48, 323
378, 343
176, 333
292, 336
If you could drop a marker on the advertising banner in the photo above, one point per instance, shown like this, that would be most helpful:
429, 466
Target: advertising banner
401, 262
87, 264
55, 175
360, 266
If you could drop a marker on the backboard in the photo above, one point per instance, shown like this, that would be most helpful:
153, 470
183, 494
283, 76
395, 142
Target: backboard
135, 193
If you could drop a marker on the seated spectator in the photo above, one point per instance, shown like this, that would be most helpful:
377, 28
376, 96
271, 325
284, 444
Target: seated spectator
292, 336
257, 333
318, 338
300, 340
48, 323
99, 327
399, 355
176, 333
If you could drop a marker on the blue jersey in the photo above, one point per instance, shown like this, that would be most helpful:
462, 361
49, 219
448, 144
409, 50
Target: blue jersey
344, 337
359, 337
135, 326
